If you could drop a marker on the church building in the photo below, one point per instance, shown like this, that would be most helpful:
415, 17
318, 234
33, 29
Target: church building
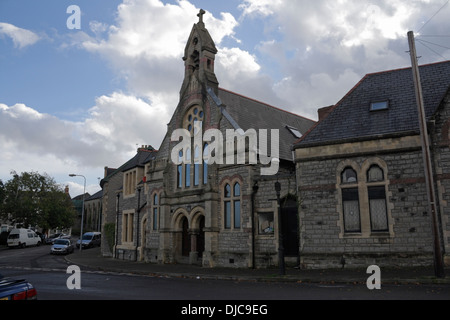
212, 192
236, 182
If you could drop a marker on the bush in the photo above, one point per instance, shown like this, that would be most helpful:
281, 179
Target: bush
109, 235
3, 237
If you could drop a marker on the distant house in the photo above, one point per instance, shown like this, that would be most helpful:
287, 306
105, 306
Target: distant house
360, 174
93, 212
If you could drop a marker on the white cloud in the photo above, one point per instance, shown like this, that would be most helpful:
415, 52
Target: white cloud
260, 7
321, 49
33, 141
20, 37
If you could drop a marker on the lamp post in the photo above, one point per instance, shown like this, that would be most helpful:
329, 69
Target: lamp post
82, 208
280, 232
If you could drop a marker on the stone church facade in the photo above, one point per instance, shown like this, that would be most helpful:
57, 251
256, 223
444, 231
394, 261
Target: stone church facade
350, 188
216, 209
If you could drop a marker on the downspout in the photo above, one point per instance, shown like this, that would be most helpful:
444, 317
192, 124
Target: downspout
254, 191
117, 226
137, 226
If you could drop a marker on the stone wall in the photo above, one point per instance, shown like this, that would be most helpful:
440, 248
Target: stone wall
323, 241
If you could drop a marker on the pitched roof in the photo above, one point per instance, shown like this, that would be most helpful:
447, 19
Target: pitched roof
247, 113
351, 118
95, 196
142, 156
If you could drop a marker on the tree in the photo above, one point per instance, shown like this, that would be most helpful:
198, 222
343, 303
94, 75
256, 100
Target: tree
32, 199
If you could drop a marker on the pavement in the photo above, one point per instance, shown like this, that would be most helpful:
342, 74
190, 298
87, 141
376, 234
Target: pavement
92, 259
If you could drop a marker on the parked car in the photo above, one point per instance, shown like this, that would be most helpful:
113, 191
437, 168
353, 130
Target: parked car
55, 236
23, 237
11, 289
90, 240
62, 246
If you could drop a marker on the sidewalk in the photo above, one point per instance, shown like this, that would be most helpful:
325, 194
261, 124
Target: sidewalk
92, 260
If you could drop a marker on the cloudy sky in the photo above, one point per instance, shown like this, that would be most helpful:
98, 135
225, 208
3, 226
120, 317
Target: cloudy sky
77, 100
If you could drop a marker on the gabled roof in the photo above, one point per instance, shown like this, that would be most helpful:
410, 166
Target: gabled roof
248, 114
143, 156
351, 118
95, 196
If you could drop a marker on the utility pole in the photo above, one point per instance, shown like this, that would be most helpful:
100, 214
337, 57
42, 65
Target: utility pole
429, 180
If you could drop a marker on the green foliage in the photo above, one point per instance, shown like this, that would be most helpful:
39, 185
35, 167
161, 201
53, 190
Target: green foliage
109, 234
32, 199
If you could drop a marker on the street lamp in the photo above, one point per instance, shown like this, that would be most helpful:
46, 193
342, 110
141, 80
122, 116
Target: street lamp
82, 208
280, 232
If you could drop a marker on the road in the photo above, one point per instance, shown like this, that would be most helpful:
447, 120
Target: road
48, 274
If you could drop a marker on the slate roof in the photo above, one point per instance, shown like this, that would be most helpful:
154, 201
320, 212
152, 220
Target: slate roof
352, 119
140, 159
248, 114
95, 196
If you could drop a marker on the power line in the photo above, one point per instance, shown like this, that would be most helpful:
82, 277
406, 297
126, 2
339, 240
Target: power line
435, 44
422, 43
433, 16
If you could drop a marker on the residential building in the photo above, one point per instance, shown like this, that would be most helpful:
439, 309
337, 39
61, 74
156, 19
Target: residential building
361, 179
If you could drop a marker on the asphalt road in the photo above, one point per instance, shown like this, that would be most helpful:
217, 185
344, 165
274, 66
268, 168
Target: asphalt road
48, 274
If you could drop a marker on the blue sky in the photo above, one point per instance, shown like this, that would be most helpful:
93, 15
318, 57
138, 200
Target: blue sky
74, 101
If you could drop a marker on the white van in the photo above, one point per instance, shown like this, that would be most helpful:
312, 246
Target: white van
22, 238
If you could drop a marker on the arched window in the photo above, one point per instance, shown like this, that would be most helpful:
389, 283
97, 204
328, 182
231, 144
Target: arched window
205, 163
194, 115
375, 174
350, 200
180, 170
376, 191
189, 174
364, 203
188, 169
232, 205
349, 175
197, 162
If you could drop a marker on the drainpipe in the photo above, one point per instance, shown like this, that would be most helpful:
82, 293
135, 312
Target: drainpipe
117, 226
254, 191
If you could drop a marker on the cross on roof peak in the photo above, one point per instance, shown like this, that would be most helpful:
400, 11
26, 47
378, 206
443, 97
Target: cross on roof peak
200, 15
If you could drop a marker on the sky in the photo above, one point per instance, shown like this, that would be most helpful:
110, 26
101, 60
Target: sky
81, 90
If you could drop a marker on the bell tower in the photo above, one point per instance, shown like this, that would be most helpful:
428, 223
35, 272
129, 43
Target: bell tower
199, 57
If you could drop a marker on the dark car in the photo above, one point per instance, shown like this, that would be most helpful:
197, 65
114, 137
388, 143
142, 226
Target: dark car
11, 289
51, 239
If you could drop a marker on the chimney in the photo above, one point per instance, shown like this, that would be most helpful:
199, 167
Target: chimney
66, 190
324, 112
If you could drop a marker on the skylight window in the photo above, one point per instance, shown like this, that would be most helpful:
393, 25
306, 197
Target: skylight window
381, 105
295, 132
